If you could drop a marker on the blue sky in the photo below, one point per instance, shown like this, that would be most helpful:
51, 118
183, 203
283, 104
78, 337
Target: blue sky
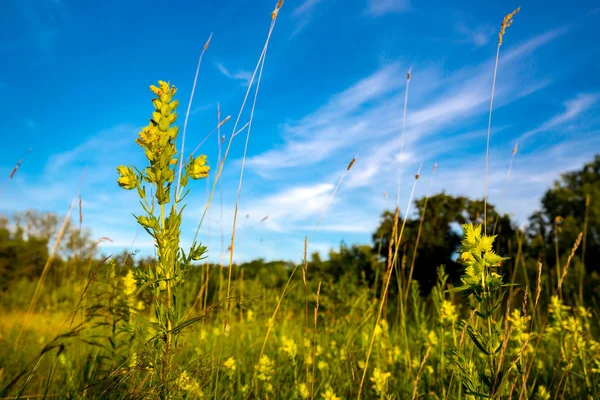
75, 79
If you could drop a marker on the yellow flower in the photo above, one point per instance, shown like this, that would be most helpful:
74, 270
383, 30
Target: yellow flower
186, 383
542, 393
127, 178
318, 350
164, 92
379, 380
448, 312
309, 359
329, 394
197, 168
289, 346
378, 331
432, 338
250, 315
322, 365
129, 284
266, 368
230, 364
303, 391
397, 353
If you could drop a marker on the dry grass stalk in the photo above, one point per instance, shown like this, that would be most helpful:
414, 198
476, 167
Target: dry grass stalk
305, 282
14, 171
416, 384
402, 136
216, 128
314, 355
40, 284
583, 246
414, 256
258, 69
388, 278
573, 250
187, 115
350, 165
506, 22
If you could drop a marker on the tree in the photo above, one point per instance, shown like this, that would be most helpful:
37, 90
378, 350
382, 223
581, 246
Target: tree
440, 234
563, 215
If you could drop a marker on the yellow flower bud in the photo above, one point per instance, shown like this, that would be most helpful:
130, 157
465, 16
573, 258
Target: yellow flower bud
127, 179
197, 168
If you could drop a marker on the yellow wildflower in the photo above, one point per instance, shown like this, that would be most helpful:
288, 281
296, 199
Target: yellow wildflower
127, 178
432, 338
303, 391
230, 364
186, 383
289, 346
129, 283
448, 312
266, 368
329, 394
197, 168
542, 393
379, 380
309, 359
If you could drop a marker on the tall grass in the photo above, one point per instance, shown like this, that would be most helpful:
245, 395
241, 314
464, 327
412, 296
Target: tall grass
169, 329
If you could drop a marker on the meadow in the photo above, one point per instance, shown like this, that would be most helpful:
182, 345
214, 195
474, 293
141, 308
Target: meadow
454, 301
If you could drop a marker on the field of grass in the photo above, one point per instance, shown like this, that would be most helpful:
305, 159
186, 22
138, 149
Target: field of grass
176, 327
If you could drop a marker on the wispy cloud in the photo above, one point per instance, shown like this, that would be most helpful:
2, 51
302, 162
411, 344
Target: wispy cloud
303, 14
240, 75
477, 36
332, 127
378, 8
367, 116
108, 146
573, 109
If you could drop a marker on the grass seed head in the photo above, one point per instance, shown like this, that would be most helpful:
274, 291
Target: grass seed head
506, 22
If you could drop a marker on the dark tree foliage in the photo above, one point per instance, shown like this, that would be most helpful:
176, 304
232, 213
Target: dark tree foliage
440, 235
571, 206
564, 209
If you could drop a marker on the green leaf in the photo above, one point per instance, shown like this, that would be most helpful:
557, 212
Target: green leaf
475, 340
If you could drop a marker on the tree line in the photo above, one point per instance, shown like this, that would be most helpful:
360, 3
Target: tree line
569, 208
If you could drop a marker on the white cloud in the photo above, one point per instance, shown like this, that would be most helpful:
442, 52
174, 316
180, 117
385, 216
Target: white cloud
305, 8
303, 14
378, 8
478, 36
240, 75
332, 127
367, 116
573, 109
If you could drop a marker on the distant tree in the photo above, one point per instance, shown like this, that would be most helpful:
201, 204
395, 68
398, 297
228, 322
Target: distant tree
25, 239
20, 257
563, 213
440, 234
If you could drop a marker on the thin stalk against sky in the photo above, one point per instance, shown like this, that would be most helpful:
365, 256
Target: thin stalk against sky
187, 115
506, 22
402, 137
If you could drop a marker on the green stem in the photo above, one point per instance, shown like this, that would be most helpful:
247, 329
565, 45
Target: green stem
169, 335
